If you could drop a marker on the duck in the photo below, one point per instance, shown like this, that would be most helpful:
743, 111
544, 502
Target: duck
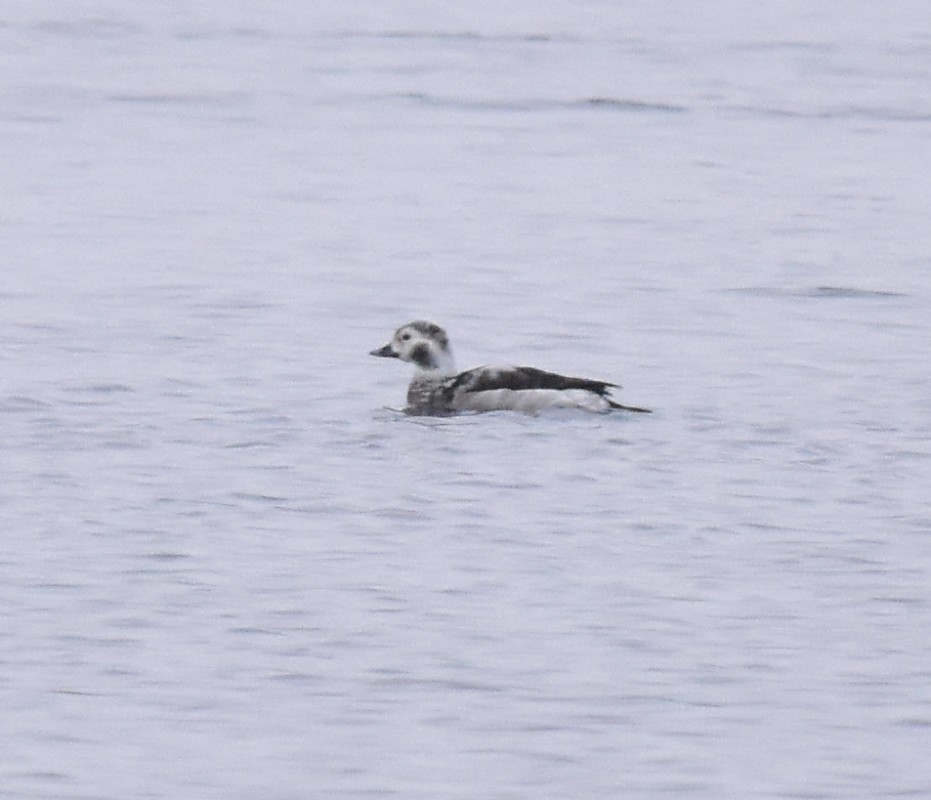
438, 389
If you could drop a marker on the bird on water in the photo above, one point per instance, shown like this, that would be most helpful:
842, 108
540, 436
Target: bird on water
437, 389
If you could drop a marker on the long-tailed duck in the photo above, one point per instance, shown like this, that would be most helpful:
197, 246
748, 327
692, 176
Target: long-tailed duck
437, 389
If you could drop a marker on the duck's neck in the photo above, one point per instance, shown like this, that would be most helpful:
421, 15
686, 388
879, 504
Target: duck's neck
440, 364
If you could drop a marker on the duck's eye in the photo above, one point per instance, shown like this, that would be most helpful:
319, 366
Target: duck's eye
405, 337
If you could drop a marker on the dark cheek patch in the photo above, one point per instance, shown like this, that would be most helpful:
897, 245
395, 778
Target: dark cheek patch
420, 355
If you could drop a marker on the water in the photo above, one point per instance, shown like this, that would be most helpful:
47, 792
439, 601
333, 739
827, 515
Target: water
229, 570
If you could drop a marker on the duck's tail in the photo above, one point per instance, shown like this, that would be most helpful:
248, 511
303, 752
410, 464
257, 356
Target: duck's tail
621, 407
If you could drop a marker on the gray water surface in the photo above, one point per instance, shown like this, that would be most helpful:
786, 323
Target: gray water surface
229, 569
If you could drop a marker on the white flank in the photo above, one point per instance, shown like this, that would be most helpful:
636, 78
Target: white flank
530, 401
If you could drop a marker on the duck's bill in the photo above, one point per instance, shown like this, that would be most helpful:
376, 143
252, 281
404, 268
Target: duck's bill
384, 352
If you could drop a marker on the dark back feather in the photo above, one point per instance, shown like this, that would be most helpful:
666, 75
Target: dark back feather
484, 379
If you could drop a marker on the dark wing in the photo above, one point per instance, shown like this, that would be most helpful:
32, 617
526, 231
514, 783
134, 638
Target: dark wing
486, 379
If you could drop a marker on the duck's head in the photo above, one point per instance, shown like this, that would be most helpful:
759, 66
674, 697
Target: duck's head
423, 343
